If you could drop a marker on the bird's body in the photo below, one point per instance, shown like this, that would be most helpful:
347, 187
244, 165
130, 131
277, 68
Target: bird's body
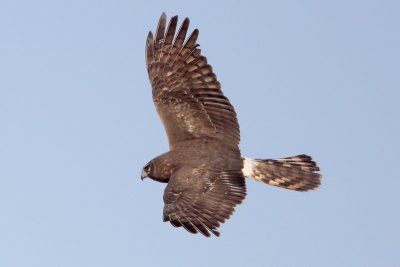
225, 157
204, 168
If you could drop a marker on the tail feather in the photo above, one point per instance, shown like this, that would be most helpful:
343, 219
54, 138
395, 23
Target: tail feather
296, 173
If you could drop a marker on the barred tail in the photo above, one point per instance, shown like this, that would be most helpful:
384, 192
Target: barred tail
295, 173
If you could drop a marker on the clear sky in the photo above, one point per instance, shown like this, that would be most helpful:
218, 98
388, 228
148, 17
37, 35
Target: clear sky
77, 124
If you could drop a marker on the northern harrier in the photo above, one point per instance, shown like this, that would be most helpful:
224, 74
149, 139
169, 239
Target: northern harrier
204, 169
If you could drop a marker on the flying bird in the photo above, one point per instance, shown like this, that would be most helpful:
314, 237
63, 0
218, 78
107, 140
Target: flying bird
204, 169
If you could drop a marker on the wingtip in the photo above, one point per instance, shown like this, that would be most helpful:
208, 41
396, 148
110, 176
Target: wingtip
149, 36
149, 48
163, 16
165, 218
186, 21
161, 28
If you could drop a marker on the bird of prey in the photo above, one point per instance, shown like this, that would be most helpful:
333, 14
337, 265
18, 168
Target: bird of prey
204, 169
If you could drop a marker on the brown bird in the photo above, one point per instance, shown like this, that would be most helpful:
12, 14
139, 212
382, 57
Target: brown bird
204, 169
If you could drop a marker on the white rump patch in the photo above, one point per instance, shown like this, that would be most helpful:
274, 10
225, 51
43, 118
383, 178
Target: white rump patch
248, 166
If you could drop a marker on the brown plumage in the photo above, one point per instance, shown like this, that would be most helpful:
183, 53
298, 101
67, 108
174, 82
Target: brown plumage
204, 169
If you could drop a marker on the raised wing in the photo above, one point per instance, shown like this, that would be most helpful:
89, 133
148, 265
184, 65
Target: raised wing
200, 200
186, 92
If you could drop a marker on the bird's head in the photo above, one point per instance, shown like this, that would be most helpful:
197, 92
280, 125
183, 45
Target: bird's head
156, 170
146, 171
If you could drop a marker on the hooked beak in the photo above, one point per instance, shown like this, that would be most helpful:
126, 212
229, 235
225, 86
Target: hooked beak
143, 175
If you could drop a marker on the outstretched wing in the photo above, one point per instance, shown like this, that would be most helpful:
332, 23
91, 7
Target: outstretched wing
200, 200
186, 92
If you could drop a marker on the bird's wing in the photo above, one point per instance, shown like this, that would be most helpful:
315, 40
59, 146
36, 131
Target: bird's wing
186, 92
200, 200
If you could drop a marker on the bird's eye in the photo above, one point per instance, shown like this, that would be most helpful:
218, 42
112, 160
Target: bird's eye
147, 168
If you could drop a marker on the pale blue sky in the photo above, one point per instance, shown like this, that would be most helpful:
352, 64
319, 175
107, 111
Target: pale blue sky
78, 123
